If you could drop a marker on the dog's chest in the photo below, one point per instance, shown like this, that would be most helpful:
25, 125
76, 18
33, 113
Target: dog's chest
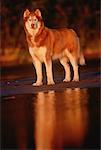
39, 52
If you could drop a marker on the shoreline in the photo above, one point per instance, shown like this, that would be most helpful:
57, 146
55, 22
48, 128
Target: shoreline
15, 62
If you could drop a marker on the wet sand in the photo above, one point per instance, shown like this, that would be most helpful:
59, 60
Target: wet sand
19, 80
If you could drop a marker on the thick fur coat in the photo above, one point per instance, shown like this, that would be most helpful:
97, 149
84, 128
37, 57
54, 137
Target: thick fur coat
47, 44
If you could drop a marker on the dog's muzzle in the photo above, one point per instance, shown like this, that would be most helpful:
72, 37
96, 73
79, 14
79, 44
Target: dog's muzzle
34, 25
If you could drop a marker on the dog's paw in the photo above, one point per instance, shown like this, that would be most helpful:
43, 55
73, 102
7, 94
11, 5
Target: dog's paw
37, 84
66, 80
51, 83
75, 79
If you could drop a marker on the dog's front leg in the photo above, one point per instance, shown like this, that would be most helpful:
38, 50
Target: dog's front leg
48, 65
38, 67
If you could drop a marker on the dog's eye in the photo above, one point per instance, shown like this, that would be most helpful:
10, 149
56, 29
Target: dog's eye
35, 19
29, 19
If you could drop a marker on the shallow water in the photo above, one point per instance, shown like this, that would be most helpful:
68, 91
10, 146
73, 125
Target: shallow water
51, 120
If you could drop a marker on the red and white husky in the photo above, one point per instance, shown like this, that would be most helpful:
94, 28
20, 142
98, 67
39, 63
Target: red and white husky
47, 44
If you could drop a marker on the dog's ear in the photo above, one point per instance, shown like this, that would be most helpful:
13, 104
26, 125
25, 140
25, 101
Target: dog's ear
26, 13
38, 13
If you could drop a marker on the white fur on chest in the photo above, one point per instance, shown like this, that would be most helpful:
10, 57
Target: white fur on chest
39, 52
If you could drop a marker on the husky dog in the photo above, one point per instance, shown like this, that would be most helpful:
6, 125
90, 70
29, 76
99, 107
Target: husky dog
47, 44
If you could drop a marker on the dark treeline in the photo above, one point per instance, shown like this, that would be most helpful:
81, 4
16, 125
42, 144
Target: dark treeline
81, 15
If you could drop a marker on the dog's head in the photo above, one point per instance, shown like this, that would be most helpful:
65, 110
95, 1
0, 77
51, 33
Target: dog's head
33, 20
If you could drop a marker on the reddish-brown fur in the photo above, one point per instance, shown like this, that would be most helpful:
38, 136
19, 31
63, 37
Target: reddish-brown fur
55, 40
46, 44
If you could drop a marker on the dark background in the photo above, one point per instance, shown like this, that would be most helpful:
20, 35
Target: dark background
81, 15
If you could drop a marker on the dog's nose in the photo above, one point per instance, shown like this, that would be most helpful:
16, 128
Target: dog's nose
32, 25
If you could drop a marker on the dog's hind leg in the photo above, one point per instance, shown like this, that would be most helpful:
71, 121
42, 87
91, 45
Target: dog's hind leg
66, 66
74, 64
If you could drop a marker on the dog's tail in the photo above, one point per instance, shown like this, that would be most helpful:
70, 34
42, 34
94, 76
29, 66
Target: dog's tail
82, 59
80, 54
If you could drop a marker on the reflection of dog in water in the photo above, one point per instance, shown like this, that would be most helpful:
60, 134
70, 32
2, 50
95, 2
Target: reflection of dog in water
66, 122
47, 44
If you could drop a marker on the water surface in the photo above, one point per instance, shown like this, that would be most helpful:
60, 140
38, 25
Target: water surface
51, 120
